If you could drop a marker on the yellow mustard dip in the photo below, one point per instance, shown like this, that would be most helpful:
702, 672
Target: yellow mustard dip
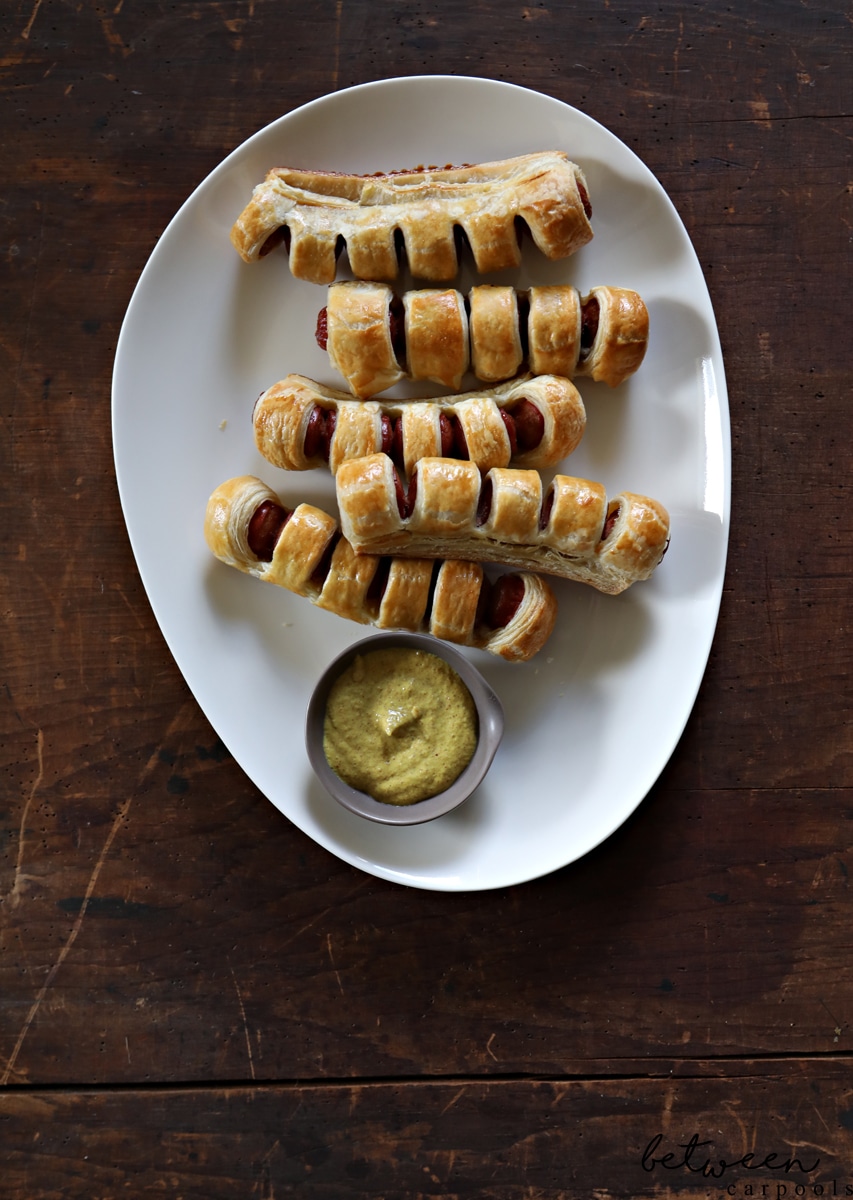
400, 725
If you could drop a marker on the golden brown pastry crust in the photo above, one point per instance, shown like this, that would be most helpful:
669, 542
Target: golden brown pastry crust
622, 338
282, 414
544, 190
442, 340
444, 599
554, 333
554, 329
504, 518
358, 322
436, 326
496, 350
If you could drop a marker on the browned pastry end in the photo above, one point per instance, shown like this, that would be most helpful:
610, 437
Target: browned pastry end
570, 530
317, 213
247, 526
529, 422
375, 338
602, 335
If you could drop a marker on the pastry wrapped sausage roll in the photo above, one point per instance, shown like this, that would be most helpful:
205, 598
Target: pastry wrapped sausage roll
375, 338
315, 213
570, 530
247, 527
532, 422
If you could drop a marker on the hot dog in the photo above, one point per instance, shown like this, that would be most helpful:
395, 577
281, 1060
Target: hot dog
531, 422
570, 530
375, 338
423, 213
247, 527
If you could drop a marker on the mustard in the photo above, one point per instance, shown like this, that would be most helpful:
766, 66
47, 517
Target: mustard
400, 725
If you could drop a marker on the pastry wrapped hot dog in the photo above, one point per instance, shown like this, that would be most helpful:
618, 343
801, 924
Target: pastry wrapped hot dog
424, 212
532, 422
375, 338
570, 529
246, 526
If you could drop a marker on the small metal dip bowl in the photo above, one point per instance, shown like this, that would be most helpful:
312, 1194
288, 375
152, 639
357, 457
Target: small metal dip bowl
490, 717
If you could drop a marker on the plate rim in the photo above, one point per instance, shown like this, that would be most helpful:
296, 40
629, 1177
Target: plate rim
663, 755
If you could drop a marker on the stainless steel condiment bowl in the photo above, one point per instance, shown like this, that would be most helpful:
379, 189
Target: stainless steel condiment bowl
490, 716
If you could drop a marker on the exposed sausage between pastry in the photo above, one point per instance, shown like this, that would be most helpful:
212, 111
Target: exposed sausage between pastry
572, 530
375, 338
530, 422
248, 527
424, 214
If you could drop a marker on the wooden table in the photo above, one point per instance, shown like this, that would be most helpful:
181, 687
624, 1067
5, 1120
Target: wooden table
198, 1001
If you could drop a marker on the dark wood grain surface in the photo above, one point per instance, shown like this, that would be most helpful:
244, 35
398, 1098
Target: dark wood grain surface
198, 1001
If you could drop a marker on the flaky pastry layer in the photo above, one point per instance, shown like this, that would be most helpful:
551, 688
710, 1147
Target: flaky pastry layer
427, 208
283, 412
571, 530
494, 332
311, 559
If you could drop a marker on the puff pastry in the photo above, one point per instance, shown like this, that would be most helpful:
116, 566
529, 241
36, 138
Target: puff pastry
375, 338
247, 527
428, 210
531, 422
570, 530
